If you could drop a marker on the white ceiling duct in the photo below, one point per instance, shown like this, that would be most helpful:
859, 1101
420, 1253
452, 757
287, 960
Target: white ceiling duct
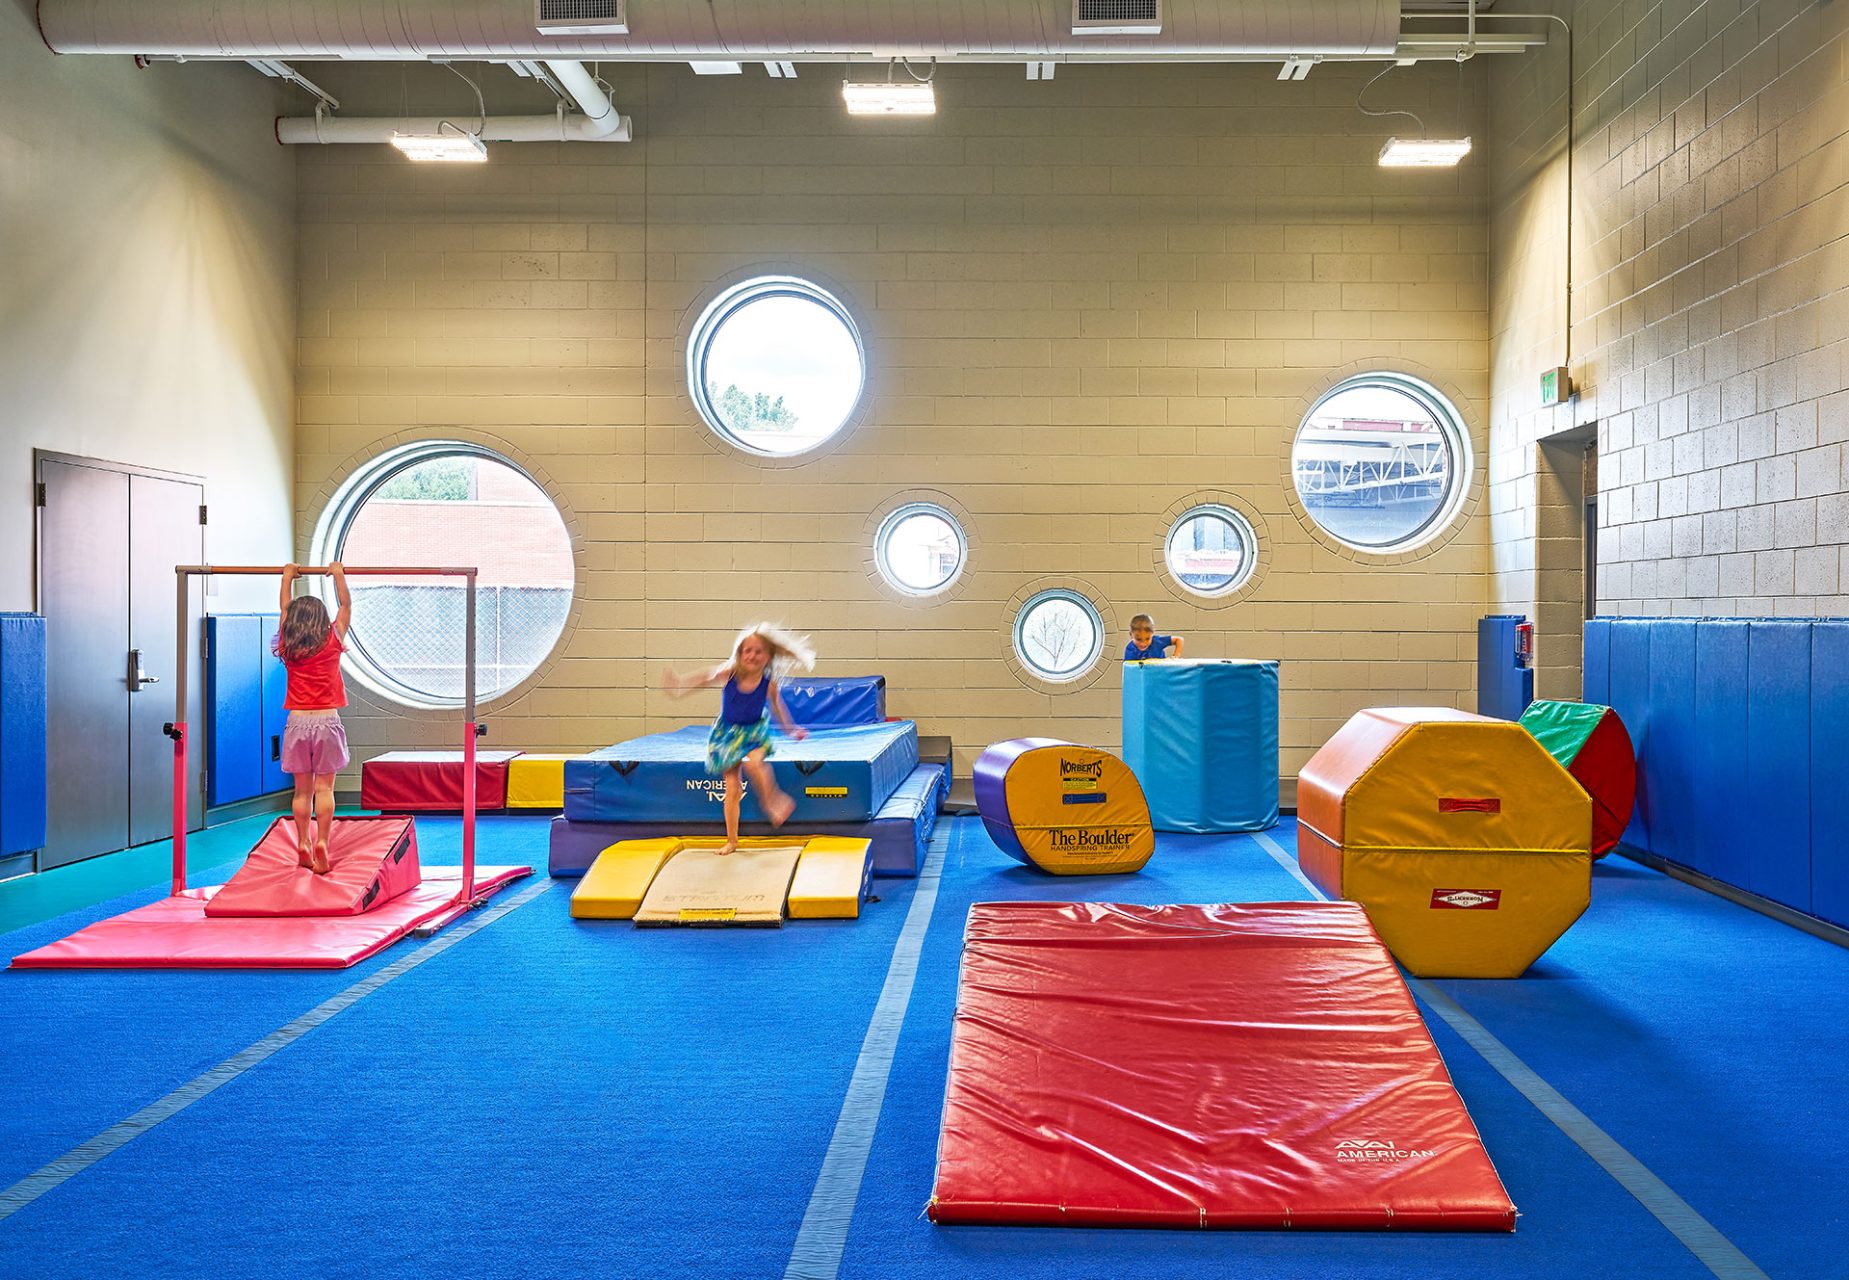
686, 30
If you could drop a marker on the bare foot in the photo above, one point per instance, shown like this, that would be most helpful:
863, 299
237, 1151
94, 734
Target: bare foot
730, 846
304, 854
320, 864
779, 809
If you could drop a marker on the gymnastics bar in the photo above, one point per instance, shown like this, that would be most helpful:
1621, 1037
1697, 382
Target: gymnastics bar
465, 896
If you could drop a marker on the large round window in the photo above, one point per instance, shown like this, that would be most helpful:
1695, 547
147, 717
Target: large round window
919, 548
448, 504
1211, 550
776, 366
1380, 463
1058, 634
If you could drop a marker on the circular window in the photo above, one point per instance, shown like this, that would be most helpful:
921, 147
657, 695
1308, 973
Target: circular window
449, 503
919, 548
776, 366
1379, 463
1211, 550
1058, 634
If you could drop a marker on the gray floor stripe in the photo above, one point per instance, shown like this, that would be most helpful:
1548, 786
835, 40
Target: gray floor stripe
1699, 1236
79, 1158
822, 1238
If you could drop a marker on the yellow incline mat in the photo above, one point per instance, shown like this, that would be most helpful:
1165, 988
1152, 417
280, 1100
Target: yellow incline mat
698, 886
830, 876
614, 886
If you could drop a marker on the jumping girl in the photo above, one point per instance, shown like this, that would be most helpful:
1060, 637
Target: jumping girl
314, 745
741, 735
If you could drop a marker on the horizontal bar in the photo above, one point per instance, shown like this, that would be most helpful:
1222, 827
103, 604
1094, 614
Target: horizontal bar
276, 570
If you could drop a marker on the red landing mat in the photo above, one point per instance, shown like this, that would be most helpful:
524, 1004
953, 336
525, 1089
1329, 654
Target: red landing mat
374, 860
425, 780
176, 933
1257, 1065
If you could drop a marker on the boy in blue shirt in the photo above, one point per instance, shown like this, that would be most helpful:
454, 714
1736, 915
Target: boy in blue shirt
1145, 643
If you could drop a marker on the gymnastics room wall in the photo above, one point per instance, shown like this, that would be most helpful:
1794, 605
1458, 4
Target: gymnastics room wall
147, 301
1084, 301
1710, 308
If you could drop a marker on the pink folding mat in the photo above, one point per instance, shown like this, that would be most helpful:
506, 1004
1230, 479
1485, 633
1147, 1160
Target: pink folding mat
177, 932
374, 861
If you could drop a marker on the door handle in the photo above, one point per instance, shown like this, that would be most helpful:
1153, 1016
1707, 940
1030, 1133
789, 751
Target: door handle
136, 676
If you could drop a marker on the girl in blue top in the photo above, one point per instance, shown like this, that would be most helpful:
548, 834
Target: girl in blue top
740, 739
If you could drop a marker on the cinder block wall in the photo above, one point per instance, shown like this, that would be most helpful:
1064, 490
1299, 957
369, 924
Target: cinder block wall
1710, 308
1085, 302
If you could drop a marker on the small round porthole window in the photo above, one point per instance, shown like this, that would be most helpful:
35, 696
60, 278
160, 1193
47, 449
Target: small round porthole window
776, 365
1058, 635
1381, 462
920, 548
1211, 550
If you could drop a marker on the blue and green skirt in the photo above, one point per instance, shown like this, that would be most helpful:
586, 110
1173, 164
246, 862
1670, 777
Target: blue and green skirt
729, 743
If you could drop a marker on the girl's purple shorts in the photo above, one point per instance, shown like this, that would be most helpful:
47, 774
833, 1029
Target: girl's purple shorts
314, 742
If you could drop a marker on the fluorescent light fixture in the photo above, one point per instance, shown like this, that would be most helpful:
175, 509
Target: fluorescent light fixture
453, 148
914, 99
1426, 153
717, 68
780, 70
1041, 70
1296, 68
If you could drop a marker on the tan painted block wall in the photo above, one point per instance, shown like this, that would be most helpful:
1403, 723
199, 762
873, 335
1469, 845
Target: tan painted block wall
1710, 308
1085, 301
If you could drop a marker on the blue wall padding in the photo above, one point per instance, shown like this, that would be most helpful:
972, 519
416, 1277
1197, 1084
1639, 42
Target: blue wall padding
22, 733
275, 685
1202, 739
1829, 771
233, 700
1504, 686
1595, 680
1667, 759
1630, 698
836, 700
1725, 809
1778, 759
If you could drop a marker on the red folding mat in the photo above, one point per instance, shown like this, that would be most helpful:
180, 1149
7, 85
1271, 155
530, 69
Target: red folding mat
1258, 1065
432, 780
372, 861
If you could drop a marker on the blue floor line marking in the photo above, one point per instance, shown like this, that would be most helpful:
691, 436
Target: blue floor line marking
822, 1238
1699, 1236
114, 1138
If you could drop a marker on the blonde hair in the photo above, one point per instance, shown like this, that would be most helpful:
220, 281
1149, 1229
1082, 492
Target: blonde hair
788, 650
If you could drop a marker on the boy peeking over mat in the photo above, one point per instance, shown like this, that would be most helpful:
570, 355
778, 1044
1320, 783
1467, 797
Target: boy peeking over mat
1145, 643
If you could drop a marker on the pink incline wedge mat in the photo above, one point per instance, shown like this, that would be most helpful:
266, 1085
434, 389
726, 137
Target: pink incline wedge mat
374, 860
176, 933
1254, 1065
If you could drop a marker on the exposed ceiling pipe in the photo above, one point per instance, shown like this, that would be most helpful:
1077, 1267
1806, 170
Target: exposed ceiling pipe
691, 30
599, 122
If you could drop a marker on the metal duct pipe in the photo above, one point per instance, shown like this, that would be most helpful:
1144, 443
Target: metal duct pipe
682, 30
600, 122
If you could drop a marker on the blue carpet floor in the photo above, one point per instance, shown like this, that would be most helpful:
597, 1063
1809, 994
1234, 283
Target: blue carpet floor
553, 1098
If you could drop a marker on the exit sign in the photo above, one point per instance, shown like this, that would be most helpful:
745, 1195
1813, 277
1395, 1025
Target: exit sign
1556, 387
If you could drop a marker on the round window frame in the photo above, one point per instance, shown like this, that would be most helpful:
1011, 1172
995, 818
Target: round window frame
1454, 430
1242, 529
335, 522
1078, 674
726, 303
890, 523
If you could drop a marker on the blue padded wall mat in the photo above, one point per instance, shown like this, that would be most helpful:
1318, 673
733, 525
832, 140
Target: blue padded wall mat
1630, 698
1725, 814
1667, 759
1595, 677
22, 733
233, 708
835, 700
1778, 759
275, 686
1829, 771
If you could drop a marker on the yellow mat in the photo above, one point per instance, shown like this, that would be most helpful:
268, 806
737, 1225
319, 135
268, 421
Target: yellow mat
831, 876
617, 882
536, 782
700, 886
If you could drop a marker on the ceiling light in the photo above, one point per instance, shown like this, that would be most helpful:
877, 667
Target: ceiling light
1296, 68
717, 68
453, 148
780, 70
1042, 70
914, 99
1425, 153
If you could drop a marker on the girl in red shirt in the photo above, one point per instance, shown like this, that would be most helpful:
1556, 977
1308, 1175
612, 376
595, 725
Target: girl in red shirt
314, 745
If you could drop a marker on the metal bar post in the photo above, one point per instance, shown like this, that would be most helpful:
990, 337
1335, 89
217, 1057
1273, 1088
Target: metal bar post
468, 749
182, 589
